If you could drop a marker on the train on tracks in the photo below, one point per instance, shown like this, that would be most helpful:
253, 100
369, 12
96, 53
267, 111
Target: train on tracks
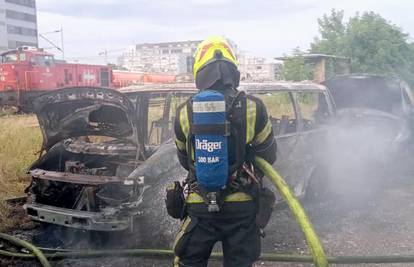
27, 72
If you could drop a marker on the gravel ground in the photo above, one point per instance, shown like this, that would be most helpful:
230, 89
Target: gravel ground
375, 219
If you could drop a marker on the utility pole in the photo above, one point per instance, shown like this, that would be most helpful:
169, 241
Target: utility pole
61, 48
61, 40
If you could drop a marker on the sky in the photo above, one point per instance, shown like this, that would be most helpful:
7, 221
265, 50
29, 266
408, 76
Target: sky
264, 28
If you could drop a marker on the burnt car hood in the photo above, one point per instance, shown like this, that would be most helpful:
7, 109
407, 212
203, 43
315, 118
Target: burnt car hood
374, 123
84, 111
366, 91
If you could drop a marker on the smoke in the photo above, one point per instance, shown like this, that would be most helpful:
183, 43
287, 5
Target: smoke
360, 152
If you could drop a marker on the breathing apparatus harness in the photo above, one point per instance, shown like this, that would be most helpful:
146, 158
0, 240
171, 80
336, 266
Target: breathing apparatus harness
211, 183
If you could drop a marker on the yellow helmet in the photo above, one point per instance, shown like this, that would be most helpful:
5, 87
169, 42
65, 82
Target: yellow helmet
212, 49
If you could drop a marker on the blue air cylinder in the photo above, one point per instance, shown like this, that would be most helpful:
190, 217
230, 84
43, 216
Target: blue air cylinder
210, 140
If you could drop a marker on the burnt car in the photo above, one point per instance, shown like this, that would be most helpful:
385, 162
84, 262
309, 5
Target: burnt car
93, 138
109, 155
374, 116
300, 113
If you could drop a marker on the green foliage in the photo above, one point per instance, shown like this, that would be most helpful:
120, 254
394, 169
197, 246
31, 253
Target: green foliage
373, 44
332, 31
295, 69
278, 104
306, 97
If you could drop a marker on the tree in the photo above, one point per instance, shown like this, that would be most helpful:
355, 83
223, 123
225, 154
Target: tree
373, 44
332, 30
294, 67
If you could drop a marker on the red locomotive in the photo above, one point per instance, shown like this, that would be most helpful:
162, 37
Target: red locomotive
27, 72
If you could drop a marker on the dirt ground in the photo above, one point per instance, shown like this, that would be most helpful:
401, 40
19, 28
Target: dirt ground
377, 220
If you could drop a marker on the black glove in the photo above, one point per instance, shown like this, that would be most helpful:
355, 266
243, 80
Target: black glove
175, 200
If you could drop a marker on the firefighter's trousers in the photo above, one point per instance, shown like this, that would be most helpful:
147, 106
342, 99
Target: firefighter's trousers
239, 236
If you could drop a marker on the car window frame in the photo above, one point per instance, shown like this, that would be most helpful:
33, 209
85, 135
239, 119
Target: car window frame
292, 96
142, 101
294, 106
407, 98
329, 105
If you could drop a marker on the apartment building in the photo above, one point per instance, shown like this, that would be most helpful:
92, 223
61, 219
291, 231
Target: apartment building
18, 24
257, 69
177, 58
169, 57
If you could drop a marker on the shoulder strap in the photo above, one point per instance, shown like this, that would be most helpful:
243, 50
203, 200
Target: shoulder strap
238, 101
190, 137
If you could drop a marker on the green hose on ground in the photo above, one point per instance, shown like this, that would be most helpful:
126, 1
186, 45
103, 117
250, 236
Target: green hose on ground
319, 257
36, 252
167, 254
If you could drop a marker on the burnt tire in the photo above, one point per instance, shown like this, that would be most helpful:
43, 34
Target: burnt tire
52, 235
317, 189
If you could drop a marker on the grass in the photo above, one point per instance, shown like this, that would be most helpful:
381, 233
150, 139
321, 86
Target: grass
20, 139
279, 104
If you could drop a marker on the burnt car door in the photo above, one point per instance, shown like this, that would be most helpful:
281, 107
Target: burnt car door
408, 110
283, 115
156, 112
316, 111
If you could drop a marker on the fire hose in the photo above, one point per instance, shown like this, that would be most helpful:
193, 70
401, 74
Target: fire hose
36, 252
318, 256
315, 246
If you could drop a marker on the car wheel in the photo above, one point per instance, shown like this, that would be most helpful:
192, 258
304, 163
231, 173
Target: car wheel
52, 235
317, 189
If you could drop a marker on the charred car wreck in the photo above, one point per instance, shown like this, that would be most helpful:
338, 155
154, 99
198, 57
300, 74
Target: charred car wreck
300, 114
109, 155
91, 145
93, 138
374, 115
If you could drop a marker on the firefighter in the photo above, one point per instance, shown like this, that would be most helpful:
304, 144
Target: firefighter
228, 214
